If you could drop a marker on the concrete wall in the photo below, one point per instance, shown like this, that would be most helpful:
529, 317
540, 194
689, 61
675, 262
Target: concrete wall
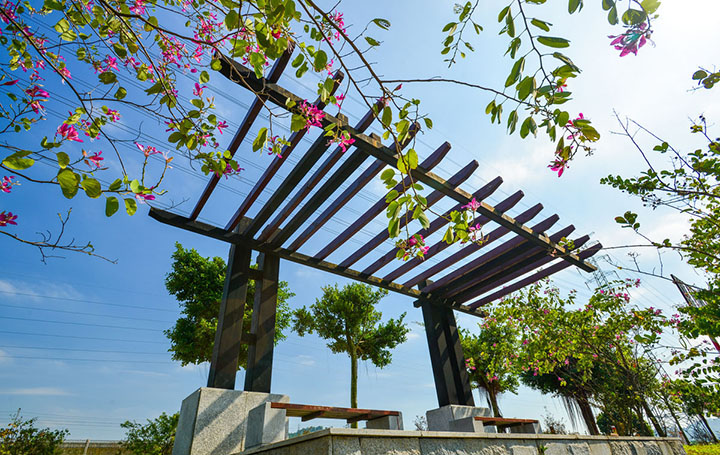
347, 441
94, 448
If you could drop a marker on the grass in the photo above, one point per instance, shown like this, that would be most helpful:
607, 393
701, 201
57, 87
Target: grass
704, 449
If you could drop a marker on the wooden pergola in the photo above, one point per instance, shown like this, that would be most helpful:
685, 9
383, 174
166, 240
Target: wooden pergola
284, 224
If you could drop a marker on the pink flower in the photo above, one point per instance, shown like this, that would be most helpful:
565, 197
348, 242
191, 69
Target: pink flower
472, 205
142, 198
632, 40
147, 150
138, 8
114, 115
312, 114
221, 125
110, 63
7, 183
94, 160
7, 218
230, 170
424, 249
558, 166
65, 73
198, 90
10, 82
69, 132
343, 142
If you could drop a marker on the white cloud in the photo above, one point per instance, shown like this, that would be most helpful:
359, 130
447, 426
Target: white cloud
36, 391
39, 291
306, 360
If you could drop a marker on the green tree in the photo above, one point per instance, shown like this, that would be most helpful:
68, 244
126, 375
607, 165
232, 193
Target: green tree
491, 358
347, 318
156, 437
197, 283
21, 437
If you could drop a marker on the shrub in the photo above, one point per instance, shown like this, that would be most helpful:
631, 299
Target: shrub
21, 437
156, 437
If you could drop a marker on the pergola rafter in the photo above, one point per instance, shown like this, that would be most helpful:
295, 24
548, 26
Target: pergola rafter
293, 215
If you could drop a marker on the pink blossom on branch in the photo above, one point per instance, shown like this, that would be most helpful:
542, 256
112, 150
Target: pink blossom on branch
472, 205
632, 40
142, 198
69, 132
312, 114
7, 183
7, 218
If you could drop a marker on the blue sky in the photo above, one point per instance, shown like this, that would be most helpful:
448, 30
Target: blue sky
81, 343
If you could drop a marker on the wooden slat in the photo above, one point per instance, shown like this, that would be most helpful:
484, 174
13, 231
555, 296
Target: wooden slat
440, 222
250, 116
462, 253
494, 421
276, 163
517, 270
368, 174
308, 412
312, 415
224, 235
313, 181
491, 263
432, 199
535, 277
278, 95
298, 172
379, 206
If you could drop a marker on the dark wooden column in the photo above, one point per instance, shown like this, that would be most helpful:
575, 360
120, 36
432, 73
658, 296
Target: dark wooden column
226, 350
452, 383
260, 354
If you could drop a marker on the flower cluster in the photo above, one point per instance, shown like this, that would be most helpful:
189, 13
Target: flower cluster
7, 183
343, 140
230, 170
635, 37
313, 116
7, 218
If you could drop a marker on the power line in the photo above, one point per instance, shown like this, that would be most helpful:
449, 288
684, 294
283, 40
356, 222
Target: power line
83, 350
82, 323
86, 301
81, 337
85, 314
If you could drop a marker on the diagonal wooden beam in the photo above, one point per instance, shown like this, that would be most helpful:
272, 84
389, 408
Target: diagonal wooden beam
235, 238
462, 175
458, 255
379, 206
360, 182
313, 181
555, 268
275, 164
531, 263
280, 96
247, 122
441, 221
504, 262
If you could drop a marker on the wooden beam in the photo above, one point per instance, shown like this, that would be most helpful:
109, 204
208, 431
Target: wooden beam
258, 372
383, 235
439, 223
519, 269
322, 172
226, 349
379, 206
250, 116
463, 252
276, 163
278, 95
345, 197
535, 277
224, 235
494, 261
312, 415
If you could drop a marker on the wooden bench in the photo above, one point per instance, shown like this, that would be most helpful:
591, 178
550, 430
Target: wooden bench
350, 415
266, 423
502, 423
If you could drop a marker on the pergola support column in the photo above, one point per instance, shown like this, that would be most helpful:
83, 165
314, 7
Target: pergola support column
258, 375
226, 350
452, 383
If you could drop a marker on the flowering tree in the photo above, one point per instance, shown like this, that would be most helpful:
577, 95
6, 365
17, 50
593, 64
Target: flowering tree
107, 59
492, 359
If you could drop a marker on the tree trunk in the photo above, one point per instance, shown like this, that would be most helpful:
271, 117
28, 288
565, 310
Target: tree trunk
492, 395
353, 381
675, 418
658, 428
702, 417
587, 415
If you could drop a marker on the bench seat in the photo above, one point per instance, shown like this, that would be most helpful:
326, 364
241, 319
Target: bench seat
350, 415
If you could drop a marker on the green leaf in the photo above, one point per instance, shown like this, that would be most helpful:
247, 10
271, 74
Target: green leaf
515, 72
428, 122
121, 93
108, 77
574, 5
204, 77
699, 75
215, 64
424, 220
633, 17
130, 206
114, 186
613, 16
260, 140
503, 13
18, 162
54, 5
650, 6
63, 159
386, 116
231, 20
135, 186
552, 41
512, 121
92, 187
382, 23
120, 50
526, 87
372, 41
320, 60
297, 123
542, 25
394, 227
391, 196
62, 26
510, 25
68, 181
412, 159
111, 205
387, 174
607, 4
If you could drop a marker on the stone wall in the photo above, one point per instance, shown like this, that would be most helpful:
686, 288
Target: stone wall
93, 448
348, 441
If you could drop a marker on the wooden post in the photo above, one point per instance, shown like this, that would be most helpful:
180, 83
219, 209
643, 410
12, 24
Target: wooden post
452, 383
260, 354
226, 350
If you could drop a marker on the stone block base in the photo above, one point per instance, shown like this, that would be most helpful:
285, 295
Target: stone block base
214, 421
439, 419
386, 423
